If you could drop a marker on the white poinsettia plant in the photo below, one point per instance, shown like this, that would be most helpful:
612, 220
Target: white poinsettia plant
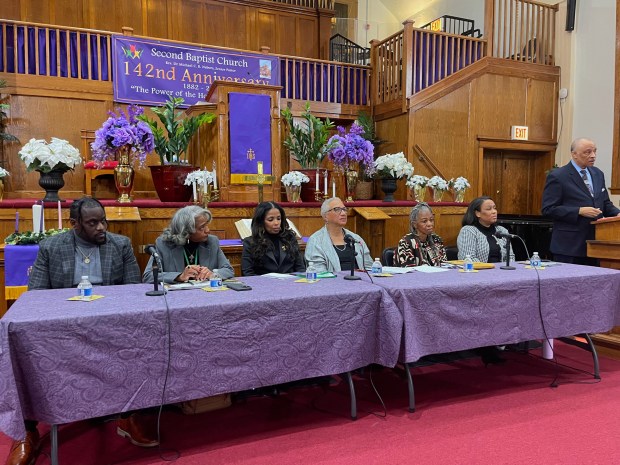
3, 173
199, 177
417, 181
60, 155
459, 184
393, 165
294, 178
437, 182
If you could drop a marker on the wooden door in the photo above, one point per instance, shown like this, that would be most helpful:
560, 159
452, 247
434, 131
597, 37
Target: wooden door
507, 179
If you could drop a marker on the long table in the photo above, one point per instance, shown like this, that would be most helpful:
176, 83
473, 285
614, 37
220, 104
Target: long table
65, 361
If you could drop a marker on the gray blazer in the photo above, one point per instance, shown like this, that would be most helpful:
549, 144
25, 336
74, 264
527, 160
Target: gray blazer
55, 264
321, 254
209, 255
472, 242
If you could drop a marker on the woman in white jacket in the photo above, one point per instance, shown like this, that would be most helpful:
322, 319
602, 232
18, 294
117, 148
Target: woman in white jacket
328, 250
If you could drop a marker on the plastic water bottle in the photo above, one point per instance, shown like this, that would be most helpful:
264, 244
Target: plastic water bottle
468, 264
85, 289
535, 260
311, 275
216, 280
377, 268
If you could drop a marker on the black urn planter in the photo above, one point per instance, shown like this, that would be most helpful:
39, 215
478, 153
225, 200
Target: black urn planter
388, 186
52, 182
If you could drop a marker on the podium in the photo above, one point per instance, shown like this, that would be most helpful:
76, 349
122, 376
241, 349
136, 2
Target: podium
606, 247
212, 144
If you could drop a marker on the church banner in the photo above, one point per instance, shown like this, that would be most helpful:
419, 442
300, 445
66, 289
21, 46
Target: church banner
148, 71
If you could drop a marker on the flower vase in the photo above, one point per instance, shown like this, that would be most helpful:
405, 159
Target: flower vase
1, 189
459, 196
419, 193
351, 178
52, 182
123, 175
438, 195
388, 186
293, 193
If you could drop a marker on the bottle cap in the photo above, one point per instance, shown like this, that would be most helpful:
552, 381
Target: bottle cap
84, 277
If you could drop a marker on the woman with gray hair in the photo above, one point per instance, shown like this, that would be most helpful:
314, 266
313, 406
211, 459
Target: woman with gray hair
327, 248
187, 250
421, 246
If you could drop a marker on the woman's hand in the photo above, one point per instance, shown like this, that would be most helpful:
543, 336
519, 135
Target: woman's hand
195, 273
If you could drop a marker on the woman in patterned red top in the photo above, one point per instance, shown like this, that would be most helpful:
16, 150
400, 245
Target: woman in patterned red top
421, 246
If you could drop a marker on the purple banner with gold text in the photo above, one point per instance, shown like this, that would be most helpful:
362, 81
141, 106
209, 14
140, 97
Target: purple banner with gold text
148, 71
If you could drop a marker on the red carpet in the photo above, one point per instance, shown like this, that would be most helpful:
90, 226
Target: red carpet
466, 414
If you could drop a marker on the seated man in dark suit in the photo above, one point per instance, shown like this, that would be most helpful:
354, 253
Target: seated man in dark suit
107, 259
574, 196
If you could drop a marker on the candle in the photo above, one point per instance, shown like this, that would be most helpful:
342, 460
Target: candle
214, 176
36, 218
325, 182
194, 190
333, 188
59, 216
16, 222
318, 173
259, 167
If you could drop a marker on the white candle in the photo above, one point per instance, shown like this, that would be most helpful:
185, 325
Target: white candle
318, 173
36, 218
59, 216
214, 177
325, 182
194, 190
333, 188
204, 180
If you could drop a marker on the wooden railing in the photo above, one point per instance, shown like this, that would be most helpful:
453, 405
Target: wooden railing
325, 4
523, 30
386, 61
45, 50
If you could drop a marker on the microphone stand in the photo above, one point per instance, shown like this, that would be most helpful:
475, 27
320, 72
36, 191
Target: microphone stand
352, 276
156, 291
507, 266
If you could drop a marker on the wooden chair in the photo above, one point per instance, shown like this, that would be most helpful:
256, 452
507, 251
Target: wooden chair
93, 169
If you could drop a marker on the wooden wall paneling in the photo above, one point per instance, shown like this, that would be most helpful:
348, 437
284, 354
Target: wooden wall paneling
215, 27
237, 21
286, 43
157, 18
542, 103
394, 132
267, 30
36, 11
11, 10
307, 37
190, 24
68, 13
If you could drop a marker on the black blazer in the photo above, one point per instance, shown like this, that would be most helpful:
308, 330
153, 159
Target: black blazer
564, 193
287, 263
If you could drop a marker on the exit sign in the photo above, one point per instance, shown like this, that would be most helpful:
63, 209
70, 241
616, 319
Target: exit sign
519, 133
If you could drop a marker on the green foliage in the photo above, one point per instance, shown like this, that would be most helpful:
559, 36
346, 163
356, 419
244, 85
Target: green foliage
5, 136
307, 141
29, 237
172, 140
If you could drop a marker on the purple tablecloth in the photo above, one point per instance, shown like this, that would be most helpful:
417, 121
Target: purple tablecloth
64, 361
449, 311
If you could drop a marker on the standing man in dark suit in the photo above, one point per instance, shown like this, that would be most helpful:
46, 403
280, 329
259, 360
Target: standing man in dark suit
574, 196
107, 259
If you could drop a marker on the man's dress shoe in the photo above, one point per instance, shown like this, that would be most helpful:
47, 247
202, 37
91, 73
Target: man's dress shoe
137, 430
24, 452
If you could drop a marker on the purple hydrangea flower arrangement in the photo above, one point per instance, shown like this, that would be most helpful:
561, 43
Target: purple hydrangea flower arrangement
351, 150
123, 129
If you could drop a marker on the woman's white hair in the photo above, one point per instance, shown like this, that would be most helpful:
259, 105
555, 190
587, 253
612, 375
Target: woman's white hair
327, 205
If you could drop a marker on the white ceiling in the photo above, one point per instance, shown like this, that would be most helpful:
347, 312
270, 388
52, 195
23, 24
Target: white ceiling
402, 9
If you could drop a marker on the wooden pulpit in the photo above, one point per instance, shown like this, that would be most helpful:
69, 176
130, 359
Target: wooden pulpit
606, 243
212, 145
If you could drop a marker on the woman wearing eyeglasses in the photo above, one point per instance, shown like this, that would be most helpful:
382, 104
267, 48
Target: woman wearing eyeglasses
188, 251
327, 249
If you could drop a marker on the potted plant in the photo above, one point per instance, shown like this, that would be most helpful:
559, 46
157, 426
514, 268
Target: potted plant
350, 152
439, 186
417, 184
200, 180
364, 188
390, 168
292, 182
125, 138
52, 160
308, 143
171, 142
459, 186
3, 173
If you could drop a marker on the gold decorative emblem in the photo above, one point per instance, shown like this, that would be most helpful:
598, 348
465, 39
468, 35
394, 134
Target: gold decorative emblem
250, 154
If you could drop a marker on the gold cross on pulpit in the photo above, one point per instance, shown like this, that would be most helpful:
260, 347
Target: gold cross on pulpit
250, 155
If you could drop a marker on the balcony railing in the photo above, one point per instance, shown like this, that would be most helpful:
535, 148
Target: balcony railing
326, 4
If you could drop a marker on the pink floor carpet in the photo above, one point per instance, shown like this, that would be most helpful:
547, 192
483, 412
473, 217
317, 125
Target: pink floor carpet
466, 414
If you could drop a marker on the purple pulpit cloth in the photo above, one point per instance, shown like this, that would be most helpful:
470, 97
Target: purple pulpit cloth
63, 361
450, 311
17, 260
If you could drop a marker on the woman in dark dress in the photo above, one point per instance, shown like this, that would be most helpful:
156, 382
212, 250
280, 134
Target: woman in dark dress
272, 247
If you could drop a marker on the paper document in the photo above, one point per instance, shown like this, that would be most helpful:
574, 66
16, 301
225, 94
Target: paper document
429, 269
280, 275
397, 269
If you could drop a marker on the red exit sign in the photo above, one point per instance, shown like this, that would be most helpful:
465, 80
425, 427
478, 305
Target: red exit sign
519, 133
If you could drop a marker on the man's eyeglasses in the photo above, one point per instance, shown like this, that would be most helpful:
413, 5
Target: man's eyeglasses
339, 210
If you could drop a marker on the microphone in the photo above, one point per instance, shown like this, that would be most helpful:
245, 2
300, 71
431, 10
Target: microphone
502, 235
349, 239
152, 250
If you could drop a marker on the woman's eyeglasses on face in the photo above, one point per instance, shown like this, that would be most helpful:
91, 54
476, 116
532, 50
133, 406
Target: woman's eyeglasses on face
339, 210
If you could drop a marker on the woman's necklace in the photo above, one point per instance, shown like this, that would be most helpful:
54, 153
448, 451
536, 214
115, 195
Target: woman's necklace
344, 246
86, 258
192, 258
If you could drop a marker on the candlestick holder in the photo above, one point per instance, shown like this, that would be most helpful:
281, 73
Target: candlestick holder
208, 195
319, 196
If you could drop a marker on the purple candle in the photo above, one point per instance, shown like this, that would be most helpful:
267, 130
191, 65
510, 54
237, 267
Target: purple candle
16, 222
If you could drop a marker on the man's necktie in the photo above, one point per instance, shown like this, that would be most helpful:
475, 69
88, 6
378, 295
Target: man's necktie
584, 176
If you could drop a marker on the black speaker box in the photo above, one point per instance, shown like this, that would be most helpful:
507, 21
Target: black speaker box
571, 11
